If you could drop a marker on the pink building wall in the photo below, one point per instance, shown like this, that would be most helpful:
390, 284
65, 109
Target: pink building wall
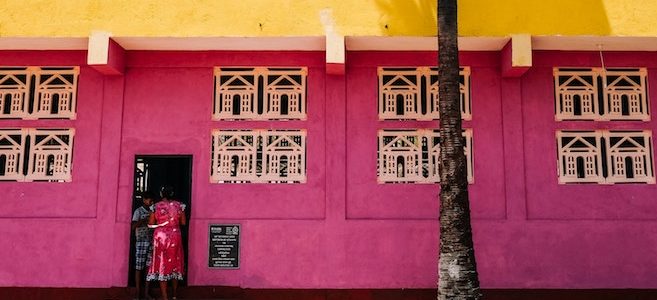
340, 229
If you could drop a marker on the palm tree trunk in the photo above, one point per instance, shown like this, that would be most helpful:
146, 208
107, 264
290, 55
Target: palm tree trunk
457, 267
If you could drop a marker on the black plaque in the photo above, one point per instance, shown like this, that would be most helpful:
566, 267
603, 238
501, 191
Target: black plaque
224, 246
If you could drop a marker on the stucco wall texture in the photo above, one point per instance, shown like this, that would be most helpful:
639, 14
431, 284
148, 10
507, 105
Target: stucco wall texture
204, 18
341, 229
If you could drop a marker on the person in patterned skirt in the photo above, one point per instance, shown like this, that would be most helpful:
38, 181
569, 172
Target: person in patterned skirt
167, 217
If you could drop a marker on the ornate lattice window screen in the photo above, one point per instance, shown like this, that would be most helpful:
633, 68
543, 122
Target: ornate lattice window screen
259, 156
48, 157
260, 93
284, 155
56, 90
38, 92
601, 94
234, 154
400, 156
14, 92
412, 93
12, 147
51, 152
625, 94
576, 94
629, 156
413, 156
604, 156
579, 157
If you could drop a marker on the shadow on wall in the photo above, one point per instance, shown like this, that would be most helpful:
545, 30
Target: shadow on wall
498, 18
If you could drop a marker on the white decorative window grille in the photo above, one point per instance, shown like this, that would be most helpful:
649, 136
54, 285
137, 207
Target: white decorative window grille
38, 92
577, 94
48, 157
12, 147
413, 156
625, 94
601, 94
604, 156
234, 155
412, 93
629, 156
56, 90
14, 92
580, 156
259, 156
284, 155
260, 93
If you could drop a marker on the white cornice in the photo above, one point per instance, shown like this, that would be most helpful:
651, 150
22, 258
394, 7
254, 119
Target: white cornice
311, 43
594, 43
413, 43
318, 43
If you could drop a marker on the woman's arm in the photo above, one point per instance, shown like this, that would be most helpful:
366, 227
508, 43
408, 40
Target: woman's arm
182, 219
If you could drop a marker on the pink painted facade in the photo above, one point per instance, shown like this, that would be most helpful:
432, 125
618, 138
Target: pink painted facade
341, 229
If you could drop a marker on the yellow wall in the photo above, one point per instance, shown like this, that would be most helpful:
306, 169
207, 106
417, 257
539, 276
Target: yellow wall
77, 18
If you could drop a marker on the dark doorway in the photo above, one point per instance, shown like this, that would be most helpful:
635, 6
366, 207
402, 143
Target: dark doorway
151, 173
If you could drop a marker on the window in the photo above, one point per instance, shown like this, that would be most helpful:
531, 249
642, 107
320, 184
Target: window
604, 156
265, 156
29, 93
12, 149
601, 94
38, 92
413, 156
629, 156
580, 156
260, 93
30, 154
247, 94
412, 93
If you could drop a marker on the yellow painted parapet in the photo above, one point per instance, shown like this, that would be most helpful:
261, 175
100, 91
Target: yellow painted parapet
270, 18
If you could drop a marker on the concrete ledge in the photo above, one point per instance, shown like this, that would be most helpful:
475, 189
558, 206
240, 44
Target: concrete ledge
516, 56
105, 55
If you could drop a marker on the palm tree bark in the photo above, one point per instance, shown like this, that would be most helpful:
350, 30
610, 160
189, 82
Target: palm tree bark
457, 267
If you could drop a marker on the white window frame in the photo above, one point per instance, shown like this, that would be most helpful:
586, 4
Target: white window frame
13, 153
600, 158
605, 83
426, 83
269, 145
260, 91
640, 155
590, 156
416, 158
37, 156
33, 97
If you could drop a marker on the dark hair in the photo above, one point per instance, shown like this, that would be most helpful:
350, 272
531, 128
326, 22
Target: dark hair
147, 195
166, 192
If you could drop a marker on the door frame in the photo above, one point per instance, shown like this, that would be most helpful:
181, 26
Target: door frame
185, 230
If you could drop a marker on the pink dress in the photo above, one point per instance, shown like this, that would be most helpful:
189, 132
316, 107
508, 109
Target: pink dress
167, 243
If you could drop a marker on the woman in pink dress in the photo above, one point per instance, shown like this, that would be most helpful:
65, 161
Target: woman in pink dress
167, 263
